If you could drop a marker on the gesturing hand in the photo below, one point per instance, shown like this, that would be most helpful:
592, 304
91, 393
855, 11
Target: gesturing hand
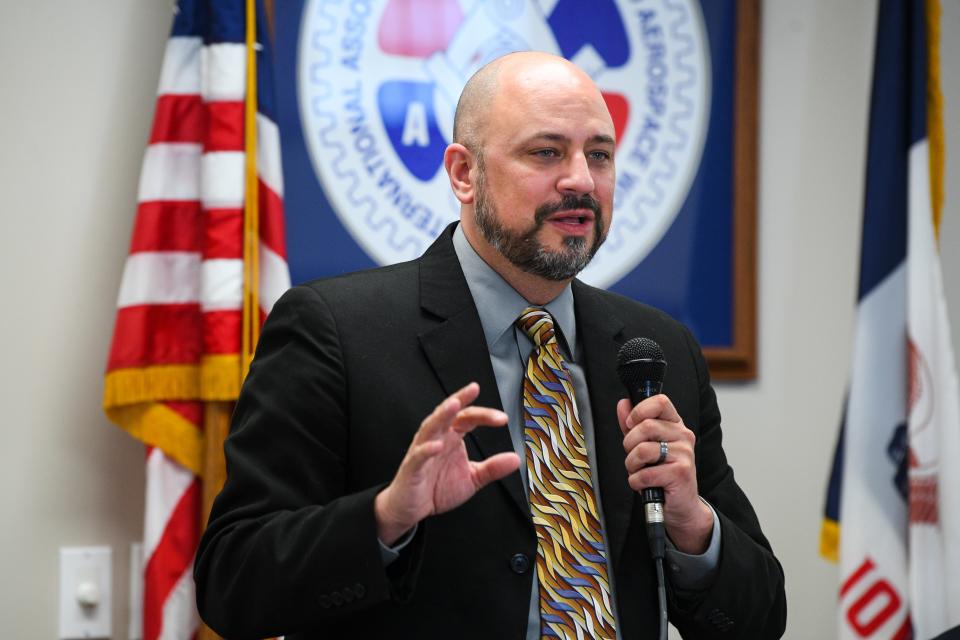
436, 475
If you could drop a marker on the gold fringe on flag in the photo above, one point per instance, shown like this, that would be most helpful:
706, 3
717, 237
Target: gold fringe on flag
158, 425
148, 384
216, 378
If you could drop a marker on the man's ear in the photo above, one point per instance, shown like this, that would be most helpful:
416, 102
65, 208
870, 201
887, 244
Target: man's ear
458, 161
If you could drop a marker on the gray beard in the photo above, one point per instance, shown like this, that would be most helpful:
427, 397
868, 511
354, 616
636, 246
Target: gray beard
525, 251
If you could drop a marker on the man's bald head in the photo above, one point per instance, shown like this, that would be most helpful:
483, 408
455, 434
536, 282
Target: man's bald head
479, 91
482, 88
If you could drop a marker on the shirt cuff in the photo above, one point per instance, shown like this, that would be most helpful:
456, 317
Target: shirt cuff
389, 554
695, 572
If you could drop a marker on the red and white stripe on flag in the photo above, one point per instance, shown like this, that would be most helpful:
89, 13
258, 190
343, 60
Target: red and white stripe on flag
178, 332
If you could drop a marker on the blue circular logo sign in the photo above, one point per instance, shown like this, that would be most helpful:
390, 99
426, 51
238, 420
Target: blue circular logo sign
379, 82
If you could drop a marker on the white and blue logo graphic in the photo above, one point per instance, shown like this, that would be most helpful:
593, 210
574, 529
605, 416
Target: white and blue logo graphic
379, 81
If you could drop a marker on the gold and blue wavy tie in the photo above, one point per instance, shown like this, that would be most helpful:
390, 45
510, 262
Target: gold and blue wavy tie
571, 558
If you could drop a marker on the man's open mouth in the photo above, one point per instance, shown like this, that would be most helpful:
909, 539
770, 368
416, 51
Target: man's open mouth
572, 218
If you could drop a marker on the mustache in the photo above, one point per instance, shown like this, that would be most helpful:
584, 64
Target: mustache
567, 203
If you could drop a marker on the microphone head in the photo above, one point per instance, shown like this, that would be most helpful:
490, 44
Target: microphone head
641, 366
639, 349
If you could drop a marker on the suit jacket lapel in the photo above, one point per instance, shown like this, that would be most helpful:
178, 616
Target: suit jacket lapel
457, 350
602, 334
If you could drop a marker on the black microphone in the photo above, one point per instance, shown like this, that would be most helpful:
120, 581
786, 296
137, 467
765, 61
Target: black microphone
640, 366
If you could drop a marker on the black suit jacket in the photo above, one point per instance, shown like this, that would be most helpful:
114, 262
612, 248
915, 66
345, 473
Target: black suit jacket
346, 370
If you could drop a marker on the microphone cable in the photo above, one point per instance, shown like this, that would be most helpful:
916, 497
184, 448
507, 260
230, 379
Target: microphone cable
657, 536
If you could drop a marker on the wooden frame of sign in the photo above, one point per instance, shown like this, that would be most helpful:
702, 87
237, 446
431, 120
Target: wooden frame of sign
739, 360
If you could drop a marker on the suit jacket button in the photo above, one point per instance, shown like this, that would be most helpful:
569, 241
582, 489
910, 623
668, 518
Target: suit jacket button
325, 602
519, 562
336, 598
359, 590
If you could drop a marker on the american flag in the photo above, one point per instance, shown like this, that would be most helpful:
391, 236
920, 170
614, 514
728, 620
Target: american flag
207, 261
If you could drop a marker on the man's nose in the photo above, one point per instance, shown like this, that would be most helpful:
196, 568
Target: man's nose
576, 177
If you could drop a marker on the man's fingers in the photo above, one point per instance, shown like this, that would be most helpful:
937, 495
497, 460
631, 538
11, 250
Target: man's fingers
640, 480
441, 419
420, 454
661, 476
454, 412
646, 454
445, 412
471, 417
467, 394
495, 467
623, 412
656, 407
655, 431
675, 472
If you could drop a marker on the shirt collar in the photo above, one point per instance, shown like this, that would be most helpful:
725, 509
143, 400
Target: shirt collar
499, 304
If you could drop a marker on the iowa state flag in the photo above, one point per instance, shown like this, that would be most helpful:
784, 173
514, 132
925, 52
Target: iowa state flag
893, 503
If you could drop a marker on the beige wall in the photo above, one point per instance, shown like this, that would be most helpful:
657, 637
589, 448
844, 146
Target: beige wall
78, 85
780, 430
77, 82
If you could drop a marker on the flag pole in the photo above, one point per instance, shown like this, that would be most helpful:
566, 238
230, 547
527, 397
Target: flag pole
935, 132
251, 209
216, 415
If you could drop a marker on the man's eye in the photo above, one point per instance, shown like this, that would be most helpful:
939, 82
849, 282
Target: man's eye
599, 155
546, 153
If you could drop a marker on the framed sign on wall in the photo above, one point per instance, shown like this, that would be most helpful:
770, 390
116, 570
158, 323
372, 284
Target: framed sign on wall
366, 95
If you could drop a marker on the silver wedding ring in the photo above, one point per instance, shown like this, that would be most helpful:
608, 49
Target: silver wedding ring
664, 450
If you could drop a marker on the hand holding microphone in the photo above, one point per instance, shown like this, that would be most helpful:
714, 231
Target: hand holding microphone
659, 450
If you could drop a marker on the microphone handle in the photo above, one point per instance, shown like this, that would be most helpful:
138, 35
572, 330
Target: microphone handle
651, 497
648, 389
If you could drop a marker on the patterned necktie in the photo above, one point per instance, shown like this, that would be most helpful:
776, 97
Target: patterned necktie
571, 559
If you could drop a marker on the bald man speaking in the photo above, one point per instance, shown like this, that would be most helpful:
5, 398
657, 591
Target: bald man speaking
442, 448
